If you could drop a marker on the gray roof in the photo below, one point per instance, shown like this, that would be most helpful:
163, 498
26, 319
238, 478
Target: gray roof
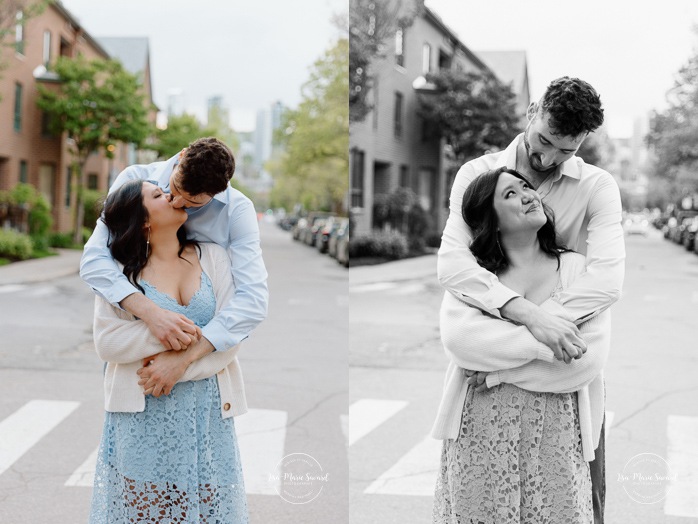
508, 66
132, 52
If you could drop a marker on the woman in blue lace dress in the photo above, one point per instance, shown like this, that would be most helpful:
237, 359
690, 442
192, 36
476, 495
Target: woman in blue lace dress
168, 452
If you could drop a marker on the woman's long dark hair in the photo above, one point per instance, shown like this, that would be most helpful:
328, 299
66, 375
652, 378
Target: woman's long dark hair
478, 212
124, 215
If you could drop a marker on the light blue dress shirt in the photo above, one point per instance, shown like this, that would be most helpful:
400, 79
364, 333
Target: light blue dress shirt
230, 221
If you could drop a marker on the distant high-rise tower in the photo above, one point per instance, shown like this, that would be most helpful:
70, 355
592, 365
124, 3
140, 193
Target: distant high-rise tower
218, 114
175, 102
268, 121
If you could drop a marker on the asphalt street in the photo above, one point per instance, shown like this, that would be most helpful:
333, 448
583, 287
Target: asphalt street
397, 368
296, 380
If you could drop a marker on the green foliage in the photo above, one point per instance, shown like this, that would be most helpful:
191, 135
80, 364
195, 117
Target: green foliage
16, 246
181, 130
22, 194
673, 132
472, 110
97, 103
314, 170
40, 219
60, 240
93, 201
391, 245
372, 25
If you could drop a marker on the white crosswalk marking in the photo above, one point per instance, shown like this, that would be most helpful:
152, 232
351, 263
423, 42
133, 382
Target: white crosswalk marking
682, 457
609, 424
261, 435
28, 425
344, 423
367, 414
84, 476
414, 474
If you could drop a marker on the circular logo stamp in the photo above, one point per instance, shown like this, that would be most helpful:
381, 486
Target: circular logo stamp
646, 478
299, 478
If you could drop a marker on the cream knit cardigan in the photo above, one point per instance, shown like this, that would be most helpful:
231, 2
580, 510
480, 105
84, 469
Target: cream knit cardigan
123, 341
475, 340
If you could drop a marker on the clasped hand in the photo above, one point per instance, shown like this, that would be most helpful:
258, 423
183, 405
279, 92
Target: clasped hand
161, 372
173, 330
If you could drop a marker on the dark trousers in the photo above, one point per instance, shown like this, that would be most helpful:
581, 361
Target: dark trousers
597, 469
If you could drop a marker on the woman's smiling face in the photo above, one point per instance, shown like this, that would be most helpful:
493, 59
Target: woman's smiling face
517, 205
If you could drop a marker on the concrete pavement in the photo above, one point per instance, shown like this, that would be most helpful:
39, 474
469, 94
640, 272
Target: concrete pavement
65, 263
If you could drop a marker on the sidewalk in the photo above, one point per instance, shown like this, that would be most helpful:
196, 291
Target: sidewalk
408, 269
66, 263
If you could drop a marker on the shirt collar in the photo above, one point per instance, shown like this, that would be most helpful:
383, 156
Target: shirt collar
569, 168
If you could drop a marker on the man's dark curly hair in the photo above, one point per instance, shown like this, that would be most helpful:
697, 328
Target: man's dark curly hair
573, 107
206, 167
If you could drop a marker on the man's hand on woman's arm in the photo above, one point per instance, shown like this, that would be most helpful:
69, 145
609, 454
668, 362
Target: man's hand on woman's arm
559, 334
173, 330
162, 371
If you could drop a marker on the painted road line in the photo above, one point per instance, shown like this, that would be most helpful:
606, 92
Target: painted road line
367, 414
261, 436
682, 457
609, 423
414, 474
28, 425
84, 476
344, 423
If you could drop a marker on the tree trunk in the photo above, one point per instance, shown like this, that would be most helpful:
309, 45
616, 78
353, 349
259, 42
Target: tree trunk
77, 176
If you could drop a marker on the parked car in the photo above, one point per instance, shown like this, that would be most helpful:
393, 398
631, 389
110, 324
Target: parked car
636, 224
343, 246
313, 231
684, 219
343, 224
689, 233
299, 228
668, 228
322, 241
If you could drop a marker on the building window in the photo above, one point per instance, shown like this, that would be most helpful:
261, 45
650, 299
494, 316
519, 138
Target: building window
357, 178
398, 115
46, 121
92, 181
426, 59
19, 33
23, 172
400, 47
404, 176
18, 107
47, 47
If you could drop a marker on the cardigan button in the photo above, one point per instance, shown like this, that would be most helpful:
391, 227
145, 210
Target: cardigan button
226, 407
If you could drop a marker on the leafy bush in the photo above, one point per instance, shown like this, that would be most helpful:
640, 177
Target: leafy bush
433, 239
40, 219
15, 245
63, 240
92, 202
23, 194
386, 244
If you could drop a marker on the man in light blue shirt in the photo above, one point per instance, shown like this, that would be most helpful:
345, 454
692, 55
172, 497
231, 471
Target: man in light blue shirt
198, 179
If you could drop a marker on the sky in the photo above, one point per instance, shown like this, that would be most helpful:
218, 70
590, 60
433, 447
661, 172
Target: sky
628, 50
252, 53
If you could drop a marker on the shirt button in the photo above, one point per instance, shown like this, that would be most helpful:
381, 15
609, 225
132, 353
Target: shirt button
226, 407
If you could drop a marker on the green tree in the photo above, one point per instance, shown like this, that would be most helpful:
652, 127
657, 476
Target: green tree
673, 133
473, 111
372, 25
314, 168
96, 103
181, 130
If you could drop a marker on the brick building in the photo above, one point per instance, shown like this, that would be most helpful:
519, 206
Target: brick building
392, 147
28, 152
